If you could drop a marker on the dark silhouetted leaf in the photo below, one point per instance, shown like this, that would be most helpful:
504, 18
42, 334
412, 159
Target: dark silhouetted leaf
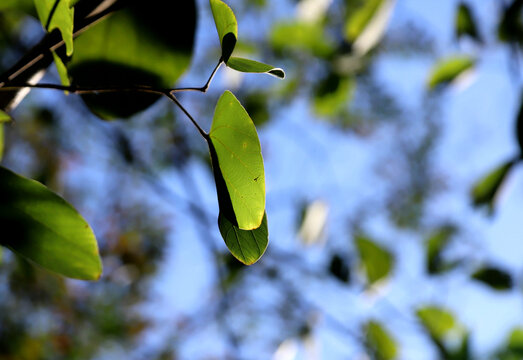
379, 341
376, 261
339, 268
226, 26
145, 43
495, 278
435, 246
511, 28
251, 66
465, 23
247, 246
447, 70
236, 156
519, 127
57, 14
42, 227
486, 190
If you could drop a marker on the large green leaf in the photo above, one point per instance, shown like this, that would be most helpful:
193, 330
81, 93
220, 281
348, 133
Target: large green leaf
237, 159
485, 191
376, 261
247, 246
57, 14
380, 342
145, 43
493, 277
251, 66
226, 25
447, 70
42, 227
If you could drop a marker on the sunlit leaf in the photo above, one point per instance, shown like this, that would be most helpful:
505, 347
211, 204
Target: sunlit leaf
62, 70
437, 321
144, 43
42, 227
465, 23
485, 191
366, 25
447, 70
239, 161
376, 261
515, 341
226, 26
57, 14
302, 36
313, 222
247, 246
251, 66
494, 277
381, 343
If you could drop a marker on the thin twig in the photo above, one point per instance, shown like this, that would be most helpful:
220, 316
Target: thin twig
205, 87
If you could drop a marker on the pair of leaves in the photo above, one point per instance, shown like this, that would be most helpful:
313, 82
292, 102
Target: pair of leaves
227, 28
42, 227
240, 180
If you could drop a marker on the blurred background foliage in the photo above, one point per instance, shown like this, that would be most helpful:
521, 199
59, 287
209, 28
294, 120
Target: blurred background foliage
341, 278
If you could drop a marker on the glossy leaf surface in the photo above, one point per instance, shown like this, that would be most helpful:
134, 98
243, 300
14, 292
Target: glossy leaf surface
57, 14
42, 227
376, 261
447, 70
226, 25
251, 66
247, 246
239, 160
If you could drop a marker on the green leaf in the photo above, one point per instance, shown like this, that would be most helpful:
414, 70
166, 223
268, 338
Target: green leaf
447, 70
333, 94
42, 227
144, 43
226, 26
437, 322
515, 341
4, 117
251, 66
376, 261
247, 246
465, 23
62, 70
435, 246
380, 342
237, 159
493, 277
57, 14
485, 191
302, 36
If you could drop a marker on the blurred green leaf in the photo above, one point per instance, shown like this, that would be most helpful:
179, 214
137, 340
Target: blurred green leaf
42, 227
62, 70
437, 322
239, 161
247, 246
376, 261
485, 191
511, 27
333, 94
493, 277
465, 23
447, 70
366, 24
515, 341
226, 26
302, 36
435, 246
4, 117
251, 66
381, 343
57, 14
145, 43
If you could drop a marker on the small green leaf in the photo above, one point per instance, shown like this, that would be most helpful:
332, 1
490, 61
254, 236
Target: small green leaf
4, 117
515, 341
57, 14
302, 36
251, 66
62, 70
436, 321
247, 246
226, 26
465, 23
376, 261
485, 191
333, 94
496, 278
380, 342
360, 18
42, 227
435, 246
237, 160
447, 70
